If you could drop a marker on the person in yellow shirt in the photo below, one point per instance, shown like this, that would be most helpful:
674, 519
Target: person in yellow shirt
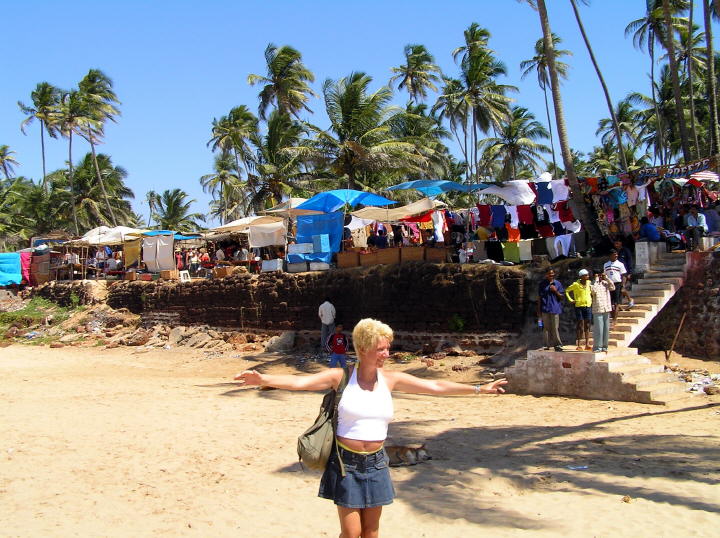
579, 294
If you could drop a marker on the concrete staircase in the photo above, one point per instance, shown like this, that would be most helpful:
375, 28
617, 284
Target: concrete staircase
652, 292
620, 374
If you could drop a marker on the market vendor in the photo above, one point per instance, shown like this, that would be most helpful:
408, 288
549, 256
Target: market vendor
696, 228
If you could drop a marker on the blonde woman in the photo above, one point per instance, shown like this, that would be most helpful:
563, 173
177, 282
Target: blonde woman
364, 412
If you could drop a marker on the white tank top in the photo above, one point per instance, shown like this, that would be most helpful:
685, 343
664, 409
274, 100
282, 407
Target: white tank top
365, 414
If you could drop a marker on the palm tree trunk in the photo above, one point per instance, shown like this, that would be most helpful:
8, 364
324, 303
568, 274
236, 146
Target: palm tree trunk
711, 87
669, 42
611, 108
658, 118
100, 179
688, 66
42, 150
552, 144
579, 208
72, 186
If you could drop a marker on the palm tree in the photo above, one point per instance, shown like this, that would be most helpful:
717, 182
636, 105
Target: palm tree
418, 74
711, 86
486, 100
360, 141
627, 123
579, 208
285, 83
152, 198
668, 40
73, 118
224, 176
516, 144
7, 161
648, 31
91, 199
450, 105
173, 212
538, 63
46, 99
100, 100
234, 133
618, 136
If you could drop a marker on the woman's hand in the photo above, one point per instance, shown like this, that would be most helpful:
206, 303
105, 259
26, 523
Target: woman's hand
496, 387
250, 377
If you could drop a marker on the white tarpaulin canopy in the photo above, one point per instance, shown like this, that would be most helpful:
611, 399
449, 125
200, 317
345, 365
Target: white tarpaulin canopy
158, 252
102, 235
289, 208
515, 192
267, 235
242, 225
394, 215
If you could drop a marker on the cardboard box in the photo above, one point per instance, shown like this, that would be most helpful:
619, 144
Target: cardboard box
131, 275
272, 265
299, 267
389, 255
321, 243
348, 258
369, 258
147, 277
40, 278
300, 248
435, 255
319, 266
224, 270
170, 275
412, 254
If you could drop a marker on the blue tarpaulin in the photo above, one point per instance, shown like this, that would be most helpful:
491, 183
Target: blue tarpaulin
431, 187
176, 235
10, 268
330, 224
333, 200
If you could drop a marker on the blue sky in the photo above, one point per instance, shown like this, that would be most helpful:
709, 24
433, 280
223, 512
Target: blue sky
177, 65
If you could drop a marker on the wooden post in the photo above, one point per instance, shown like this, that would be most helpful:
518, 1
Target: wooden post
677, 333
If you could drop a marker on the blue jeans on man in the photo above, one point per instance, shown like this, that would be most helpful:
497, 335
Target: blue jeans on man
336, 358
325, 333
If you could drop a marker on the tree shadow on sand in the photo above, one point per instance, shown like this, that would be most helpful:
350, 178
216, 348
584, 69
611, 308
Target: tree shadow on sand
515, 452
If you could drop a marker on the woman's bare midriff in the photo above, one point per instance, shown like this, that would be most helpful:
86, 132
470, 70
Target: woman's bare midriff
361, 446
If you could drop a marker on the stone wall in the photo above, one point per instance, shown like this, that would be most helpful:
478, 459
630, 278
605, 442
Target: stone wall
699, 299
69, 293
410, 297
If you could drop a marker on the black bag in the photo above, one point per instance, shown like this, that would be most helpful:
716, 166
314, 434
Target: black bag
317, 443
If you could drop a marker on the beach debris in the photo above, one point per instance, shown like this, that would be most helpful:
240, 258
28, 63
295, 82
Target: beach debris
626, 498
285, 341
459, 368
577, 467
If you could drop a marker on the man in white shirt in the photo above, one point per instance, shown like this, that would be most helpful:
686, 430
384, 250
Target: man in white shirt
696, 228
326, 313
615, 270
219, 254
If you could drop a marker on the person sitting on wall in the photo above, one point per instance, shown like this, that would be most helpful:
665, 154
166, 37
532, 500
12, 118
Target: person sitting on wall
372, 239
649, 230
382, 240
696, 228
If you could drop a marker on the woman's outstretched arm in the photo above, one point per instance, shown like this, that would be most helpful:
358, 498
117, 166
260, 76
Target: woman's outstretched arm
414, 385
324, 380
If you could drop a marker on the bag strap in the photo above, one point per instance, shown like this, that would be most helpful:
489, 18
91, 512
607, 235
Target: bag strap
347, 372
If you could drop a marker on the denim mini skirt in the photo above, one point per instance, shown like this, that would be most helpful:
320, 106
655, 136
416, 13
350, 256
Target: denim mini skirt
366, 483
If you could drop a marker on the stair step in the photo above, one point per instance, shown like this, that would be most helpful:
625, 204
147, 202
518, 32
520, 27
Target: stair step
625, 320
621, 354
642, 300
623, 328
670, 260
676, 397
663, 273
633, 313
616, 362
649, 379
664, 389
650, 292
667, 268
655, 284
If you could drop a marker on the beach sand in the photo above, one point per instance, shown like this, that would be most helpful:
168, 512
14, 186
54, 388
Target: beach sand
129, 442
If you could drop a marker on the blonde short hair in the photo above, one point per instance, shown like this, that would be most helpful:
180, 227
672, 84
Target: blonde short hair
368, 332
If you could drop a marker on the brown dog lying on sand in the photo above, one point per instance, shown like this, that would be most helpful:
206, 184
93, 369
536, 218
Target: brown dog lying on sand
407, 454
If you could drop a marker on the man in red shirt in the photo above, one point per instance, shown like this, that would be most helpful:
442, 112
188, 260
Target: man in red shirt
337, 345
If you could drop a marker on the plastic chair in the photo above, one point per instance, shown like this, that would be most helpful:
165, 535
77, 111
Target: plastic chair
184, 276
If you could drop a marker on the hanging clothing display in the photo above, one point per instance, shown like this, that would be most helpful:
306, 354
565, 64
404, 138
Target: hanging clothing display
544, 192
560, 190
494, 250
562, 244
439, 225
525, 250
511, 252
513, 234
498, 216
525, 214
512, 210
485, 215
564, 211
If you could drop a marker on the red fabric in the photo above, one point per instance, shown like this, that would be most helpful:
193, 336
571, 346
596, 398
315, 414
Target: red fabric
25, 262
513, 233
525, 215
485, 215
545, 230
533, 187
337, 343
426, 217
593, 182
694, 182
563, 209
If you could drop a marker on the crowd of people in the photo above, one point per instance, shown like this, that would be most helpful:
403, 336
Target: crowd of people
596, 297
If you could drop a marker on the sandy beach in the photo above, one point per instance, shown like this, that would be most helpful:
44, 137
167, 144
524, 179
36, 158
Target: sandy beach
129, 442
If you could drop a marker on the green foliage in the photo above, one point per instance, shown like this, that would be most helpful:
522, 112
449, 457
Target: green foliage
456, 323
34, 312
